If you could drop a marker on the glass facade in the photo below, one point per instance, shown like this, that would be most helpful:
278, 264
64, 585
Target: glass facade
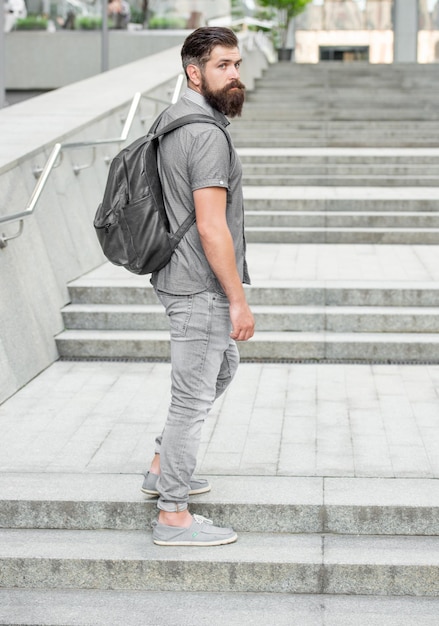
349, 30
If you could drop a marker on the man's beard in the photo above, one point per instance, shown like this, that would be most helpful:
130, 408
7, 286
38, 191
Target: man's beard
228, 100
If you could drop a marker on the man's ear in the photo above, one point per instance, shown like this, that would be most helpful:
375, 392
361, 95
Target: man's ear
194, 74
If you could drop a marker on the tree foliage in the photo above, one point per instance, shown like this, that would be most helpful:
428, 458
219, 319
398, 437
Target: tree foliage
286, 10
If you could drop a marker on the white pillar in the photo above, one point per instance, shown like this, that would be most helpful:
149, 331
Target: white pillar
2, 55
105, 46
405, 29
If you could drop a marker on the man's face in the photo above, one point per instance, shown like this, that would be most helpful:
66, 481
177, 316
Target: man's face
220, 83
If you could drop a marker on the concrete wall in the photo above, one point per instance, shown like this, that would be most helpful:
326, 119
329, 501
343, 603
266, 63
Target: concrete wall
43, 60
58, 243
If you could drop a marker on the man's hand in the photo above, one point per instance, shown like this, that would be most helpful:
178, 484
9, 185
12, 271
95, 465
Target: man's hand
243, 323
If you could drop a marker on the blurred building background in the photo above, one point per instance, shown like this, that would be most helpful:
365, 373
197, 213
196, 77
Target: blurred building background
340, 30
50, 43
349, 30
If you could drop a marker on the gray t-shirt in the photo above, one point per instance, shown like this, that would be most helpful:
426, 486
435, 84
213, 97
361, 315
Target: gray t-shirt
197, 156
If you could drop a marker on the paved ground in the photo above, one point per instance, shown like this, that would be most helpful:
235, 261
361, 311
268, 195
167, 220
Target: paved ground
296, 263
343, 262
276, 419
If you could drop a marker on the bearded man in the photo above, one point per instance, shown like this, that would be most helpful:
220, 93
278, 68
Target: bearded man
201, 288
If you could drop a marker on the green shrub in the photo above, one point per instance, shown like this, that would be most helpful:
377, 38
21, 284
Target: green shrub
164, 22
88, 22
137, 16
31, 22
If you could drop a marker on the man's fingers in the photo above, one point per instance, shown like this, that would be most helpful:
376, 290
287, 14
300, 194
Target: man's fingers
242, 335
243, 323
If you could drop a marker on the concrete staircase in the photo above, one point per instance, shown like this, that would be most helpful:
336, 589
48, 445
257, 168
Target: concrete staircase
345, 320
87, 535
345, 215
336, 105
341, 167
298, 194
337, 126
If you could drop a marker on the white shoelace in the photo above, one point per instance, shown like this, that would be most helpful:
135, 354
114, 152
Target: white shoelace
200, 519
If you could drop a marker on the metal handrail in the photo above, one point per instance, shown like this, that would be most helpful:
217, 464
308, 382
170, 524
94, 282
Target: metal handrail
45, 172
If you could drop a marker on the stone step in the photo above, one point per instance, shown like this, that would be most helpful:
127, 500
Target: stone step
401, 73
341, 219
332, 119
347, 92
346, 88
307, 162
257, 562
333, 235
347, 84
296, 133
359, 69
340, 126
338, 95
301, 130
330, 76
391, 76
282, 504
336, 140
329, 206
114, 317
301, 167
58, 607
256, 201
268, 318
338, 98
271, 346
112, 291
338, 180
319, 129
264, 112
350, 79
310, 164
272, 293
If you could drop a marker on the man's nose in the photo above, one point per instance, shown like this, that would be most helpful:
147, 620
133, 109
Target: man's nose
234, 72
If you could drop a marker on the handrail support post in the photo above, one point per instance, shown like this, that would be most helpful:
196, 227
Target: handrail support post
4, 239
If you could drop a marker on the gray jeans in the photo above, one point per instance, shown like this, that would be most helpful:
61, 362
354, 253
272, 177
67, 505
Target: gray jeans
204, 360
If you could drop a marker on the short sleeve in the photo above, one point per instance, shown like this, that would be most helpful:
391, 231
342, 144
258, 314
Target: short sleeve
209, 159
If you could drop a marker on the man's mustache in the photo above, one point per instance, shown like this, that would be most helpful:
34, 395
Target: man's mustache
236, 84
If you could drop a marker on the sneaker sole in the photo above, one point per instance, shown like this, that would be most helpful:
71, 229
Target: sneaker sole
192, 492
218, 542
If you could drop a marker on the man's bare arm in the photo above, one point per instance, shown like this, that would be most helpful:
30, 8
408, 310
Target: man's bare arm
216, 239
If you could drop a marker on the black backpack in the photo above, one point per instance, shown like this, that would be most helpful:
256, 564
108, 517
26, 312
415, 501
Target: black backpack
131, 222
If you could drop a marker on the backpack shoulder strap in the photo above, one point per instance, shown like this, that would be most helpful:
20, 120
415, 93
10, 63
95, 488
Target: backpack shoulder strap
193, 118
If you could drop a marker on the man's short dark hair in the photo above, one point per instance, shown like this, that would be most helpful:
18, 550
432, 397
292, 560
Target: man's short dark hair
198, 45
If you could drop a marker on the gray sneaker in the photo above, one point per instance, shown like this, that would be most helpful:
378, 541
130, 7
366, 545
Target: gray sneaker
201, 532
196, 485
